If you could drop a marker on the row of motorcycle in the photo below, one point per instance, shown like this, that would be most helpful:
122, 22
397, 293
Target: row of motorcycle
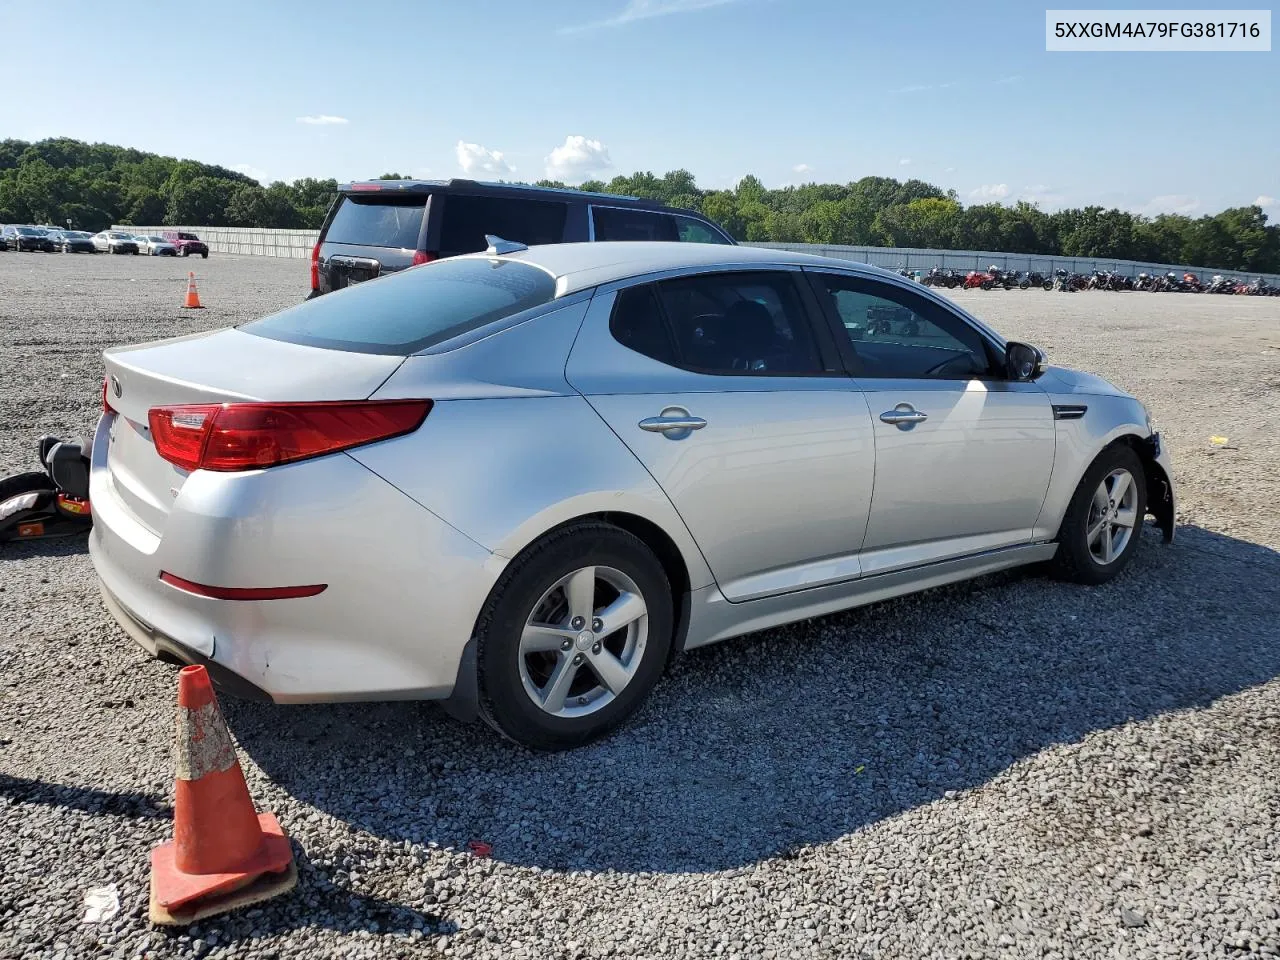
1063, 280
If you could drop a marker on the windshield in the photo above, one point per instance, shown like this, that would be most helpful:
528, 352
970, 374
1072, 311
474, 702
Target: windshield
120, 236
187, 236
405, 312
29, 231
155, 239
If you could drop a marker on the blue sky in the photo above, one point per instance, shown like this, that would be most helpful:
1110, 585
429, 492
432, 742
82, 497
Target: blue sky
961, 95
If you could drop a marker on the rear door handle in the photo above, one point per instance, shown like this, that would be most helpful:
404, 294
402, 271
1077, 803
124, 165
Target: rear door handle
904, 416
667, 424
675, 423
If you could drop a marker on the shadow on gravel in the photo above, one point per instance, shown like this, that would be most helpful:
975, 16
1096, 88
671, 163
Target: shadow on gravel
68, 546
316, 903
801, 735
86, 799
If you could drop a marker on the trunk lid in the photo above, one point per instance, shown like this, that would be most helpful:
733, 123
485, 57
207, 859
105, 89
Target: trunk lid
219, 367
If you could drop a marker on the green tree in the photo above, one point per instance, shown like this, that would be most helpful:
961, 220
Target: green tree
202, 201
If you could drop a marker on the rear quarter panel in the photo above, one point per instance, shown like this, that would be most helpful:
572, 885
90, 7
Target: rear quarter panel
510, 450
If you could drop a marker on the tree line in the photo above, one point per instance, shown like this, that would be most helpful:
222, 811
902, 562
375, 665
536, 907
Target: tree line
95, 185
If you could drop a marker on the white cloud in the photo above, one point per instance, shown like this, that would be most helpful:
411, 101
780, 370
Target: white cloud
1042, 195
949, 170
801, 168
904, 162
1266, 201
1013, 79
990, 191
919, 87
577, 159
473, 158
322, 120
1171, 203
646, 10
250, 171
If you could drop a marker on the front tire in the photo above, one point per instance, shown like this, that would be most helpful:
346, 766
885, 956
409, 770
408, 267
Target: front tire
1103, 523
573, 637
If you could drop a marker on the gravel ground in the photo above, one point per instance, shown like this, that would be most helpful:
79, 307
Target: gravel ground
1011, 767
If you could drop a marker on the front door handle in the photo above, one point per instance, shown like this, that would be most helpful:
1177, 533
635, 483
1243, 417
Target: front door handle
904, 416
675, 423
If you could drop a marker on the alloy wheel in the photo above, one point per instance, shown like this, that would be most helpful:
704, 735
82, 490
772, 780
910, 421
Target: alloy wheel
1113, 516
583, 642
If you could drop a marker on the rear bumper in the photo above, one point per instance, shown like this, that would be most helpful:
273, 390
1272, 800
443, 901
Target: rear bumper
166, 648
403, 587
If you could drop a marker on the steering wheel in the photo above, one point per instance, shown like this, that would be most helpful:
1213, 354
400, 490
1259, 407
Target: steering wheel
960, 364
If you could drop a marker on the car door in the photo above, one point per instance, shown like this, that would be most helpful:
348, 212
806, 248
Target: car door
963, 455
735, 401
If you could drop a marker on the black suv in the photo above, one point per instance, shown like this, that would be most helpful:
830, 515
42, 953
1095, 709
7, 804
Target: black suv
382, 226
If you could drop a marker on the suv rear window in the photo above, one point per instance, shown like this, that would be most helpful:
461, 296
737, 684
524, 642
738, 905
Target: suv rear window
468, 219
408, 311
379, 221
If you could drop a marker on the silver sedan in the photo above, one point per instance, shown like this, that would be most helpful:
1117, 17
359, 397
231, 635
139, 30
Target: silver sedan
521, 481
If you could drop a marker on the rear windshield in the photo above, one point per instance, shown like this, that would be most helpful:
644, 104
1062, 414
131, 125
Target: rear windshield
378, 221
405, 312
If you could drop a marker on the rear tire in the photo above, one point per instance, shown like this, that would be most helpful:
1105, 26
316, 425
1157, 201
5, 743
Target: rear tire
1103, 523
535, 691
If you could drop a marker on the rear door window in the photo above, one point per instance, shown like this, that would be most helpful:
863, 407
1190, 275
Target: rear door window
615, 223
378, 221
467, 219
412, 309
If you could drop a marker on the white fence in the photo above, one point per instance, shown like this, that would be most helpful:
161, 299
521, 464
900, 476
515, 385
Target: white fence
916, 258
298, 244
246, 241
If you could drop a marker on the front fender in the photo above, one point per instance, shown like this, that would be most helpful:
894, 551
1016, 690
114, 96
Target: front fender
1078, 443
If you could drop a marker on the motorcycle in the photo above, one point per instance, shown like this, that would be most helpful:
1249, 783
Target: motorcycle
979, 279
1037, 279
938, 277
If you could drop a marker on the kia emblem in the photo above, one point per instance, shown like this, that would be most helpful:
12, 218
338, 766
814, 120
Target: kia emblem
115, 385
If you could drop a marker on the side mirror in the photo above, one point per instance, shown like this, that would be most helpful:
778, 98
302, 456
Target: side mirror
1022, 361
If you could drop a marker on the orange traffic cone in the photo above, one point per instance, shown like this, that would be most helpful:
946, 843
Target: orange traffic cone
193, 298
223, 855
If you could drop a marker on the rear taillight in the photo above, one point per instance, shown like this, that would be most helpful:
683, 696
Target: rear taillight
424, 256
106, 404
315, 266
249, 436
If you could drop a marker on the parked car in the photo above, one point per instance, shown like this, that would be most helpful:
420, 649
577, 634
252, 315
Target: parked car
186, 243
115, 241
382, 226
27, 238
744, 453
77, 241
156, 247
55, 238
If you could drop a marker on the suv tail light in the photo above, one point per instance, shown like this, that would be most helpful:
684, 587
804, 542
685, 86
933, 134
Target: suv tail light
315, 266
227, 437
424, 256
106, 404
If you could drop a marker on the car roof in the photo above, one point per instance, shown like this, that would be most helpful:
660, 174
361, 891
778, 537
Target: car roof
578, 266
524, 190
